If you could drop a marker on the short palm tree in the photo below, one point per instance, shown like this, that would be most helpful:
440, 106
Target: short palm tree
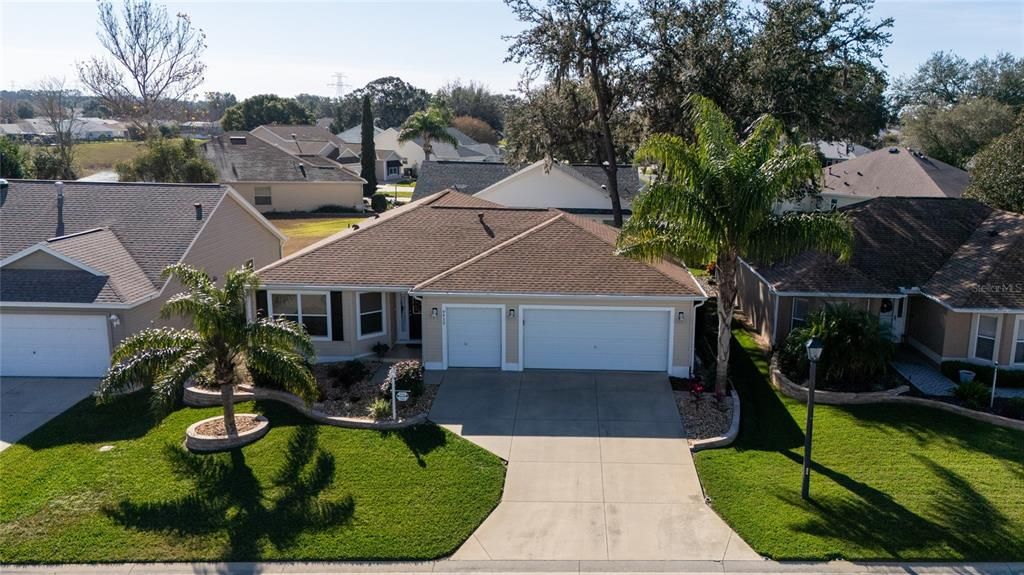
430, 125
713, 200
165, 359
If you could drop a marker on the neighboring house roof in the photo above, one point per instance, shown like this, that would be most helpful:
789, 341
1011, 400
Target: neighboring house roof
473, 177
297, 139
452, 242
836, 150
324, 123
354, 135
895, 172
960, 252
126, 233
242, 157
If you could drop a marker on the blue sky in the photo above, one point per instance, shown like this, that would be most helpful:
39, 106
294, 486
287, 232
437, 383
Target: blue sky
293, 47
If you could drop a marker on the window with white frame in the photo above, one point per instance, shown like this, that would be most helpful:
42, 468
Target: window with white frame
371, 314
261, 196
393, 170
799, 315
985, 338
1018, 341
308, 309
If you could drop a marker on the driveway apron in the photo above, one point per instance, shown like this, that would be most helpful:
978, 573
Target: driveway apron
28, 402
598, 468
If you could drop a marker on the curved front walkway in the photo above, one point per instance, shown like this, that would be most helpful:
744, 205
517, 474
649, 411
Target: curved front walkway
598, 468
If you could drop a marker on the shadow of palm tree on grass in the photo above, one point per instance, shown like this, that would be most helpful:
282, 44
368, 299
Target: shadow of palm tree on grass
958, 519
227, 497
420, 439
765, 423
89, 422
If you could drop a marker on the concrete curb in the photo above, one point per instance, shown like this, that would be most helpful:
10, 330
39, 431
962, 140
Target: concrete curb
196, 397
574, 567
722, 440
209, 443
788, 388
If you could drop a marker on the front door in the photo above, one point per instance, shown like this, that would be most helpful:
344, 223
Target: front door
415, 308
892, 314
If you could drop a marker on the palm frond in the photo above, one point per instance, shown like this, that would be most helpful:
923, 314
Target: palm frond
191, 278
154, 338
280, 334
175, 374
781, 237
289, 369
143, 356
191, 304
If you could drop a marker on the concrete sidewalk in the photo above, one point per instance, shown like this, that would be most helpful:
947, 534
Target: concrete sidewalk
509, 567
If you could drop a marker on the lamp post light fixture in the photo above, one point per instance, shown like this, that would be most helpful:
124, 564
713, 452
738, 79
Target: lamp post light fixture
814, 349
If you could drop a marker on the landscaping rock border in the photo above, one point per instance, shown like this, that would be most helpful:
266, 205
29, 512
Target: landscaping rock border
788, 388
198, 397
730, 435
195, 441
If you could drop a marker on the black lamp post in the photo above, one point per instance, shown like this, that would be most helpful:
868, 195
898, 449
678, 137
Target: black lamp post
814, 349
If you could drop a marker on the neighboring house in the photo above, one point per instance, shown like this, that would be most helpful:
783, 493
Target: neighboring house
467, 149
200, 130
354, 135
890, 172
305, 141
575, 188
275, 180
325, 122
483, 285
837, 151
946, 275
86, 129
81, 263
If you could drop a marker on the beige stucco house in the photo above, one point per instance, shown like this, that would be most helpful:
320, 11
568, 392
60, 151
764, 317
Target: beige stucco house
80, 263
946, 275
475, 284
273, 179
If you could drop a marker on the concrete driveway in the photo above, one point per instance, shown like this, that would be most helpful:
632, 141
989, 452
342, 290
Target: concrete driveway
598, 468
28, 402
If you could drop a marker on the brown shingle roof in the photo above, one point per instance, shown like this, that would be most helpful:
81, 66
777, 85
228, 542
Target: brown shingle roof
961, 252
902, 173
434, 243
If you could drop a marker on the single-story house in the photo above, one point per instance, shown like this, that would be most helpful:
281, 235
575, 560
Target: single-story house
477, 284
890, 172
80, 263
835, 151
306, 141
575, 188
946, 275
466, 150
275, 180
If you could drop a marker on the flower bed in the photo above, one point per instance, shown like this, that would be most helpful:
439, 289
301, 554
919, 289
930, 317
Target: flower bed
210, 434
704, 414
348, 390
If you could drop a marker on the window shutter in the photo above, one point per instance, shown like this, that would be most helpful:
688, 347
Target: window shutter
337, 317
261, 303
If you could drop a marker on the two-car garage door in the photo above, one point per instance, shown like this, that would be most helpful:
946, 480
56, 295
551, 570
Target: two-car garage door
562, 337
595, 338
38, 345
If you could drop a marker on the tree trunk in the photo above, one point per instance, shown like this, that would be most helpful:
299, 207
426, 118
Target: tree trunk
427, 148
597, 82
725, 270
227, 397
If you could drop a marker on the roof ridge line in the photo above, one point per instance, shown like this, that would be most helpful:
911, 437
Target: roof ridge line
348, 232
557, 216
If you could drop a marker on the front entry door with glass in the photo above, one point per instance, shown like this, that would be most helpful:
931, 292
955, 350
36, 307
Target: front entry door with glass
415, 308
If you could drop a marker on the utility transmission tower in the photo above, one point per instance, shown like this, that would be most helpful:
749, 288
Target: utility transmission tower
339, 85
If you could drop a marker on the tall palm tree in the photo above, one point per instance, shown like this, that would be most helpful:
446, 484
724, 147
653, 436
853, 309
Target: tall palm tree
713, 201
165, 359
430, 125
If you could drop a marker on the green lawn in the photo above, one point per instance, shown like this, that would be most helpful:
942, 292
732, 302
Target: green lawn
303, 232
302, 492
888, 481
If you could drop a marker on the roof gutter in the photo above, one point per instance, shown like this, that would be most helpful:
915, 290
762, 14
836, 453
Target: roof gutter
917, 291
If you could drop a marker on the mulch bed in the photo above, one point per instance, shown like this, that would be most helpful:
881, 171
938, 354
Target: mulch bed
706, 417
355, 399
216, 427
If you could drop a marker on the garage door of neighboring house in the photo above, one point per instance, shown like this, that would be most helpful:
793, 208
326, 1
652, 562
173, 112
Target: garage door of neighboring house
473, 336
34, 345
596, 338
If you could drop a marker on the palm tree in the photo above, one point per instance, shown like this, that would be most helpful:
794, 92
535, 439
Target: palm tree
165, 359
430, 125
713, 201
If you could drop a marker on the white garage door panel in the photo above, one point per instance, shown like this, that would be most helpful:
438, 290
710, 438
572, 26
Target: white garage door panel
596, 339
53, 345
474, 336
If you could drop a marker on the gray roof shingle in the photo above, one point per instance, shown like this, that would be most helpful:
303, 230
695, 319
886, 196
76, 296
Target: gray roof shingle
472, 177
258, 161
899, 173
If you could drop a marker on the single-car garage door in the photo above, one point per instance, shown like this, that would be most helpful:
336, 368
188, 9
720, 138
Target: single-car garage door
33, 345
595, 338
473, 336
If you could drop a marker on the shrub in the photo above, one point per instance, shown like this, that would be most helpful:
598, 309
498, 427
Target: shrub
349, 373
405, 375
1007, 377
857, 349
335, 209
1011, 407
379, 203
380, 408
972, 395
